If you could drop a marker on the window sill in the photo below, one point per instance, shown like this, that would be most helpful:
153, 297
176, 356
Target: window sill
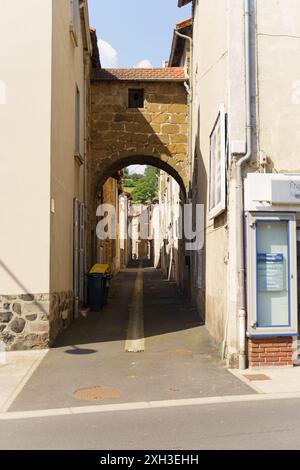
78, 158
73, 35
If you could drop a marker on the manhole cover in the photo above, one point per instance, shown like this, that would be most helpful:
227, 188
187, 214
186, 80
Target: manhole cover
97, 393
257, 377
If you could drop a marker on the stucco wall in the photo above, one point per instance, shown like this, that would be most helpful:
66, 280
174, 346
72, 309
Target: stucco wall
66, 173
278, 55
211, 90
25, 109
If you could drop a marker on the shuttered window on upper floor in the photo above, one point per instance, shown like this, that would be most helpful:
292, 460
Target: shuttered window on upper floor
77, 122
75, 21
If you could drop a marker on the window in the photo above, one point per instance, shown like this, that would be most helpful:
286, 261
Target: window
77, 122
136, 98
74, 27
217, 169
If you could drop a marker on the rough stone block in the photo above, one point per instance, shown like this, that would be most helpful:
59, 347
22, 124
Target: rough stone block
177, 108
179, 139
5, 317
170, 129
17, 325
160, 118
178, 118
153, 107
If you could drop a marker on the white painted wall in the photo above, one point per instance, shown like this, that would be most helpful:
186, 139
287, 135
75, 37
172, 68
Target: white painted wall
278, 51
25, 113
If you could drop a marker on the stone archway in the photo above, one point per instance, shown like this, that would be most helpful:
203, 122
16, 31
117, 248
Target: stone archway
109, 169
156, 134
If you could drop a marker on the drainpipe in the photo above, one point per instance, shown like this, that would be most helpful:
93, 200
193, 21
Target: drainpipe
239, 194
86, 59
190, 90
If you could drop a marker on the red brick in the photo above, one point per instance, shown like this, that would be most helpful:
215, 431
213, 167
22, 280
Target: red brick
272, 359
285, 359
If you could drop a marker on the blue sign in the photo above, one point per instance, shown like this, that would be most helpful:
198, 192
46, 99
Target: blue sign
270, 272
270, 258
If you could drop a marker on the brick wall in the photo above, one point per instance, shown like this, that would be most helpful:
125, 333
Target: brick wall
265, 352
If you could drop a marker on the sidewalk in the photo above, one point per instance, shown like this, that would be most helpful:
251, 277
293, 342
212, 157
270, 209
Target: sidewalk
271, 380
16, 368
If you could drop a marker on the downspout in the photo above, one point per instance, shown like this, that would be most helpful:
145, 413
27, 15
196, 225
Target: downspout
239, 194
190, 90
87, 55
86, 58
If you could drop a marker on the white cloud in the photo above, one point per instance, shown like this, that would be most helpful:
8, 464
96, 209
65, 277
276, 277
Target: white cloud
144, 64
108, 55
139, 169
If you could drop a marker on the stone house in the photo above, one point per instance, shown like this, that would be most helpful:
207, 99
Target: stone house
171, 246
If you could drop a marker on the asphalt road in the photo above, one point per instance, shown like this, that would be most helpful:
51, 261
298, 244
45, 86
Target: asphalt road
178, 361
259, 425
179, 358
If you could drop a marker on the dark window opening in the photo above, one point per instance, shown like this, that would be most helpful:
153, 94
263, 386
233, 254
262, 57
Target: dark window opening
136, 98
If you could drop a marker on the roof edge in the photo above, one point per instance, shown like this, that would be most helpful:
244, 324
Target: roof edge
168, 74
181, 3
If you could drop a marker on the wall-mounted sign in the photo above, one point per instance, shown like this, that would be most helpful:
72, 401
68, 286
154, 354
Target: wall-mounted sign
271, 274
270, 271
217, 166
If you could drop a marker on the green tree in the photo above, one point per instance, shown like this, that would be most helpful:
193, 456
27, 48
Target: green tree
146, 187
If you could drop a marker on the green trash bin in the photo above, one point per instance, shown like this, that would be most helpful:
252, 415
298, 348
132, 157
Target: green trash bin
98, 286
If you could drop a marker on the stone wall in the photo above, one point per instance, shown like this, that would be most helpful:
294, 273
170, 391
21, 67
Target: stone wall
33, 321
157, 133
61, 313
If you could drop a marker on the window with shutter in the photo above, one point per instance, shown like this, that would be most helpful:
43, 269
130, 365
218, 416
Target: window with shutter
75, 21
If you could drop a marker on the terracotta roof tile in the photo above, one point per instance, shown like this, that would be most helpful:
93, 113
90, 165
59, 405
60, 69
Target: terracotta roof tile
184, 24
158, 74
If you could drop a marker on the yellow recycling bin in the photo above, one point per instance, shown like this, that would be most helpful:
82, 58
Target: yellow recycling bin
101, 269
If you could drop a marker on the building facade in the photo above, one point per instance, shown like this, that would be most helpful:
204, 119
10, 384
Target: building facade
42, 115
245, 171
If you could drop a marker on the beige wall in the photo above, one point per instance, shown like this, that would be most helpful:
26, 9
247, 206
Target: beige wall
66, 173
211, 90
109, 250
278, 51
25, 68
220, 78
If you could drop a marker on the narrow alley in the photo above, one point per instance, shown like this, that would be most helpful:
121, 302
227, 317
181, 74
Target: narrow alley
178, 358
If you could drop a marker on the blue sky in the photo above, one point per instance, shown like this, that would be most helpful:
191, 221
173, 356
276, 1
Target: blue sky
134, 31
